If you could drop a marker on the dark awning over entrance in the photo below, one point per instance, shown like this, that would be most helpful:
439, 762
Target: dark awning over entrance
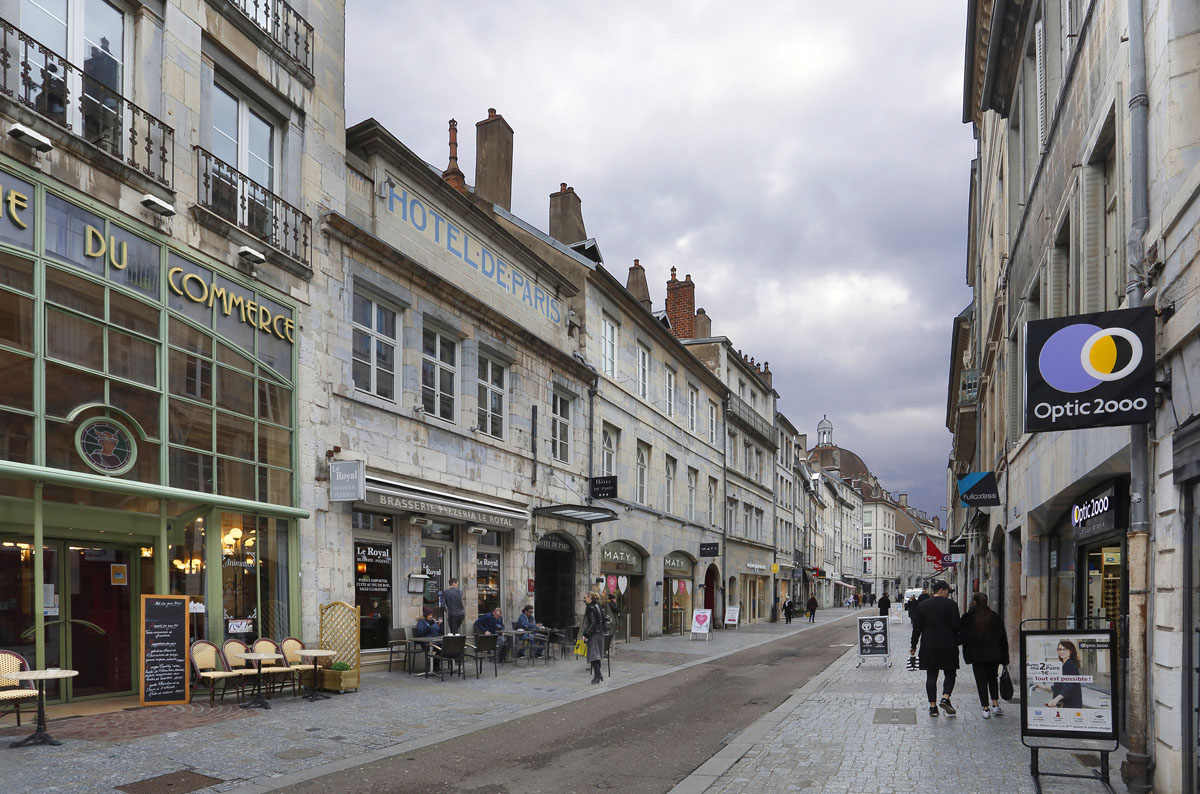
581, 514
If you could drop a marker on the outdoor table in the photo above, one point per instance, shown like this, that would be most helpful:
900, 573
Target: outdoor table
314, 653
520, 634
257, 701
425, 642
559, 635
39, 735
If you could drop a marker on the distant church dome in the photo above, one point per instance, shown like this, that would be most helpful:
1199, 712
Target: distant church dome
825, 432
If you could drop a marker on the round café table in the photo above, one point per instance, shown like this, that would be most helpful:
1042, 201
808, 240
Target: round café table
257, 701
39, 735
315, 653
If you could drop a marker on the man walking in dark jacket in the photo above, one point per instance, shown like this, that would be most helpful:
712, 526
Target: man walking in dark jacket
936, 626
452, 600
885, 603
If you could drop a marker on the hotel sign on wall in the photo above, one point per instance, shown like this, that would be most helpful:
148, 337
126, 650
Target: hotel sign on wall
1089, 370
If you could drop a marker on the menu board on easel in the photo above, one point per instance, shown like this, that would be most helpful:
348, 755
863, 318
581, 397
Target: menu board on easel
164, 652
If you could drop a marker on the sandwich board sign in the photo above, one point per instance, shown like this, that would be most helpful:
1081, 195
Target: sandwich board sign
731, 616
702, 623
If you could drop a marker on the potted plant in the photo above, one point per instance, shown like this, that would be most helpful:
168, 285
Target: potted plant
339, 677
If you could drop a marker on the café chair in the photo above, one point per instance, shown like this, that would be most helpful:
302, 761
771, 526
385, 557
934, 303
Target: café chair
209, 666
483, 649
292, 659
13, 692
278, 672
399, 647
565, 638
452, 649
608, 640
246, 669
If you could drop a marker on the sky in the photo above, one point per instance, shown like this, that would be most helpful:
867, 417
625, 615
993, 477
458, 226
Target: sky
804, 161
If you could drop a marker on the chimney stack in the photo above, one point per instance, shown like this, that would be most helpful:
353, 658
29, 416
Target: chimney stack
703, 325
452, 175
904, 500
681, 306
802, 443
637, 286
494, 160
566, 216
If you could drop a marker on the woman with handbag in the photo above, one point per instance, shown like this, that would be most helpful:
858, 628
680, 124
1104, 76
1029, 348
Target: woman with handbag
985, 648
593, 632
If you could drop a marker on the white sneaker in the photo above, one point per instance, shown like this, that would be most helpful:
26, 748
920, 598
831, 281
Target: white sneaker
987, 714
997, 710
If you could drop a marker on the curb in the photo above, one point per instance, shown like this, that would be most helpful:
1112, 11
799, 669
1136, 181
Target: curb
754, 730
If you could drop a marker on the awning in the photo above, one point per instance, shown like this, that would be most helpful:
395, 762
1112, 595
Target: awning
428, 501
582, 514
844, 584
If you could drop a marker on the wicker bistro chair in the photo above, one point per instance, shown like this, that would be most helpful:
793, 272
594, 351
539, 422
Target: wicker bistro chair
209, 666
293, 660
452, 649
278, 672
483, 649
13, 692
399, 646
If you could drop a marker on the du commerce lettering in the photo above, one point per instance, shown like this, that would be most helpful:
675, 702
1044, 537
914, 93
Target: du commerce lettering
457, 242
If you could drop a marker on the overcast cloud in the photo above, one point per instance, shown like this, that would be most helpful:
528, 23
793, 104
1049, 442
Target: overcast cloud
804, 161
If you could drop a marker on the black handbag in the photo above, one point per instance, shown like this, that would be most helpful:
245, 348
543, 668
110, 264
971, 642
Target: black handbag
1006, 685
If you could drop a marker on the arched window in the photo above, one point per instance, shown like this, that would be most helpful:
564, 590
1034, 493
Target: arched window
608, 454
641, 474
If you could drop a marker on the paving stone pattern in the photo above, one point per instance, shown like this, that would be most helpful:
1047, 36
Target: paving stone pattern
260, 750
852, 729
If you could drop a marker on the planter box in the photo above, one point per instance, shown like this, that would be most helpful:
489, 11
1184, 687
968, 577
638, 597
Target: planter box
338, 680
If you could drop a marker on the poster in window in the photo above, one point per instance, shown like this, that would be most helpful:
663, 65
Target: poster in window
373, 591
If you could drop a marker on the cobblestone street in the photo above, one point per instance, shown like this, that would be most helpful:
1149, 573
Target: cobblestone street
866, 728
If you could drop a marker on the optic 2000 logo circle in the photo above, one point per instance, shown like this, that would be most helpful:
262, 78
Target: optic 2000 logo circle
1082, 356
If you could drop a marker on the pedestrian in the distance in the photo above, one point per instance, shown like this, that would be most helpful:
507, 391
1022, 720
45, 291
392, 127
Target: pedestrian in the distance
812, 609
788, 609
885, 604
985, 648
936, 625
593, 632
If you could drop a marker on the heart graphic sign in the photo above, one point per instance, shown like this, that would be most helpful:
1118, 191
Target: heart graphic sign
622, 583
701, 621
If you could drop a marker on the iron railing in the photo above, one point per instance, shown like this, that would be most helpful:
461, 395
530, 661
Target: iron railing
285, 27
230, 194
85, 102
968, 387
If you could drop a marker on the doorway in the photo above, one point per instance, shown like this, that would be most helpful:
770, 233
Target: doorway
89, 594
554, 581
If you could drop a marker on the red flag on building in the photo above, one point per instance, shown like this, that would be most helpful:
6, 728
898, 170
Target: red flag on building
932, 553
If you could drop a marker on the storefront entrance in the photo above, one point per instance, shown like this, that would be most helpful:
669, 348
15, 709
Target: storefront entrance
89, 596
554, 581
624, 567
676, 594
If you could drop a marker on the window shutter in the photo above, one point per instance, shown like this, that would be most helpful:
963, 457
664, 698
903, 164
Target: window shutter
1091, 260
1014, 420
1056, 294
1039, 35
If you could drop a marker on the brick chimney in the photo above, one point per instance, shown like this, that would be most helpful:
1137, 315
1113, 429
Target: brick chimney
494, 160
637, 286
703, 325
452, 175
566, 217
681, 306
764, 372
904, 500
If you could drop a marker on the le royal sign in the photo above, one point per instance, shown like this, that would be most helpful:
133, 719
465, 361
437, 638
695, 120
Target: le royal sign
1089, 370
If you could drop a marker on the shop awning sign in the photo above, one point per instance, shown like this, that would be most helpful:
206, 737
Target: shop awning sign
979, 489
1089, 370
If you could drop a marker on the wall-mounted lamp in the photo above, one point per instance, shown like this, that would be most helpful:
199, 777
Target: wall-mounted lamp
421, 521
157, 205
251, 255
34, 140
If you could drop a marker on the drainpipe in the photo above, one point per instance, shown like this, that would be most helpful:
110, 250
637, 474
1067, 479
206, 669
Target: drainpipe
1136, 769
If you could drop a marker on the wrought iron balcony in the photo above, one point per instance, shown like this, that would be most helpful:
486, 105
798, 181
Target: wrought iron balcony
238, 199
285, 27
968, 387
85, 102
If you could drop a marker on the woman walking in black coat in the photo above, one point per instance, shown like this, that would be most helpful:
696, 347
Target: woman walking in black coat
936, 624
593, 632
985, 648
885, 603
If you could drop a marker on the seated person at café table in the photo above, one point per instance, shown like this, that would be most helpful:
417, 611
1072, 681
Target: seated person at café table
428, 625
525, 622
492, 623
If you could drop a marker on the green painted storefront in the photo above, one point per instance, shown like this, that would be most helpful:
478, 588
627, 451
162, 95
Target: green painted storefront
147, 438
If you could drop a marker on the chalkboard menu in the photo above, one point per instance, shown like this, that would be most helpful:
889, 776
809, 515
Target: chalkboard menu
873, 636
164, 650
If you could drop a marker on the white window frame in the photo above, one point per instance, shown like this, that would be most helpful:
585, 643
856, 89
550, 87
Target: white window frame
712, 422
693, 482
439, 396
608, 452
375, 339
642, 457
670, 393
246, 106
608, 347
693, 407
487, 389
712, 501
560, 427
643, 371
669, 471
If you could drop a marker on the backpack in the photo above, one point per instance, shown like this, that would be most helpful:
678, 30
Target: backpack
607, 620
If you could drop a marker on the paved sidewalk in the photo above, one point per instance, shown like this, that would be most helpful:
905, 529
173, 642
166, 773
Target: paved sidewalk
259, 751
867, 728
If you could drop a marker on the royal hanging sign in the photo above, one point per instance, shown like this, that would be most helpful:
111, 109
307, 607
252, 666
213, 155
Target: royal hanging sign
1089, 370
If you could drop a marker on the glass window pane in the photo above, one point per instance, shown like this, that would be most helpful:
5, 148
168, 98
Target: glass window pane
190, 376
46, 21
428, 376
70, 337
16, 380
273, 579
190, 424
385, 385
235, 479
274, 486
235, 391
225, 125
361, 346
447, 351
235, 436
67, 389
16, 437
23, 193
385, 356
190, 338
68, 237
497, 427
132, 358
427, 401
60, 447
192, 471
274, 446
15, 271
239, 563
141, 404
429, 343
186, 569
446, 381
274, 403
385, 322
447, 408
133, 314
362, 311
16, 320
373, 591
103, 34
362, 375
192, 281
260, 152
85, 297
497, 376
142, 260
227, 355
